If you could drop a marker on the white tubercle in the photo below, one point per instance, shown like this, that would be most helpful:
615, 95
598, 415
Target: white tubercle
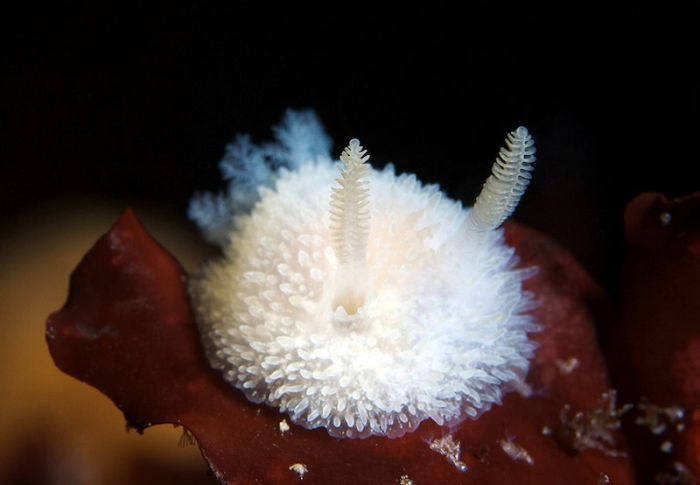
510, 176
369, 330
349, 229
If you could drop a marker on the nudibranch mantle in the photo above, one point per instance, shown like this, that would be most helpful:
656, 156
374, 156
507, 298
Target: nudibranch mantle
435, 325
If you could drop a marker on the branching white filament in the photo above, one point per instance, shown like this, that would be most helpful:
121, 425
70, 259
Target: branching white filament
349, 227
509, 178
349, 207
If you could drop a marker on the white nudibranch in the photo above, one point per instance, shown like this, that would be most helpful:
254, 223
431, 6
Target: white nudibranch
359, 300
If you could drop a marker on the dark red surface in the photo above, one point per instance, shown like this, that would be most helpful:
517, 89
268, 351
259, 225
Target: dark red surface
661, 320
128, 330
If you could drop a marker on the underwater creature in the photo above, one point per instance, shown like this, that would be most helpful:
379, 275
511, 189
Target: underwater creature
365, 302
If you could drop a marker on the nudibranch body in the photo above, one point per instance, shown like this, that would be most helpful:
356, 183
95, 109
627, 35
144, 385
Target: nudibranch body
356, 299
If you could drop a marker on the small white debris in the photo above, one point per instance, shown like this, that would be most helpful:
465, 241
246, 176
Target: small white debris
450, 449
594, 428
665, 218
658, 418
284, 427
680, 427
516, 452
300, 469
666, 446
675, 413
567, 366
603, 479
404, 480
546, 431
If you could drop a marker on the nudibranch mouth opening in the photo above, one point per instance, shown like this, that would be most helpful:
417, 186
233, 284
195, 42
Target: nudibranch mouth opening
365, 302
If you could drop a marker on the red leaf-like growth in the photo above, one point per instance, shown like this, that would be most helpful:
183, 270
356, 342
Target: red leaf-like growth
661, 330
127, 329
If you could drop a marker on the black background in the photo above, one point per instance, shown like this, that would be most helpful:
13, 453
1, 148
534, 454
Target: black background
135, 103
